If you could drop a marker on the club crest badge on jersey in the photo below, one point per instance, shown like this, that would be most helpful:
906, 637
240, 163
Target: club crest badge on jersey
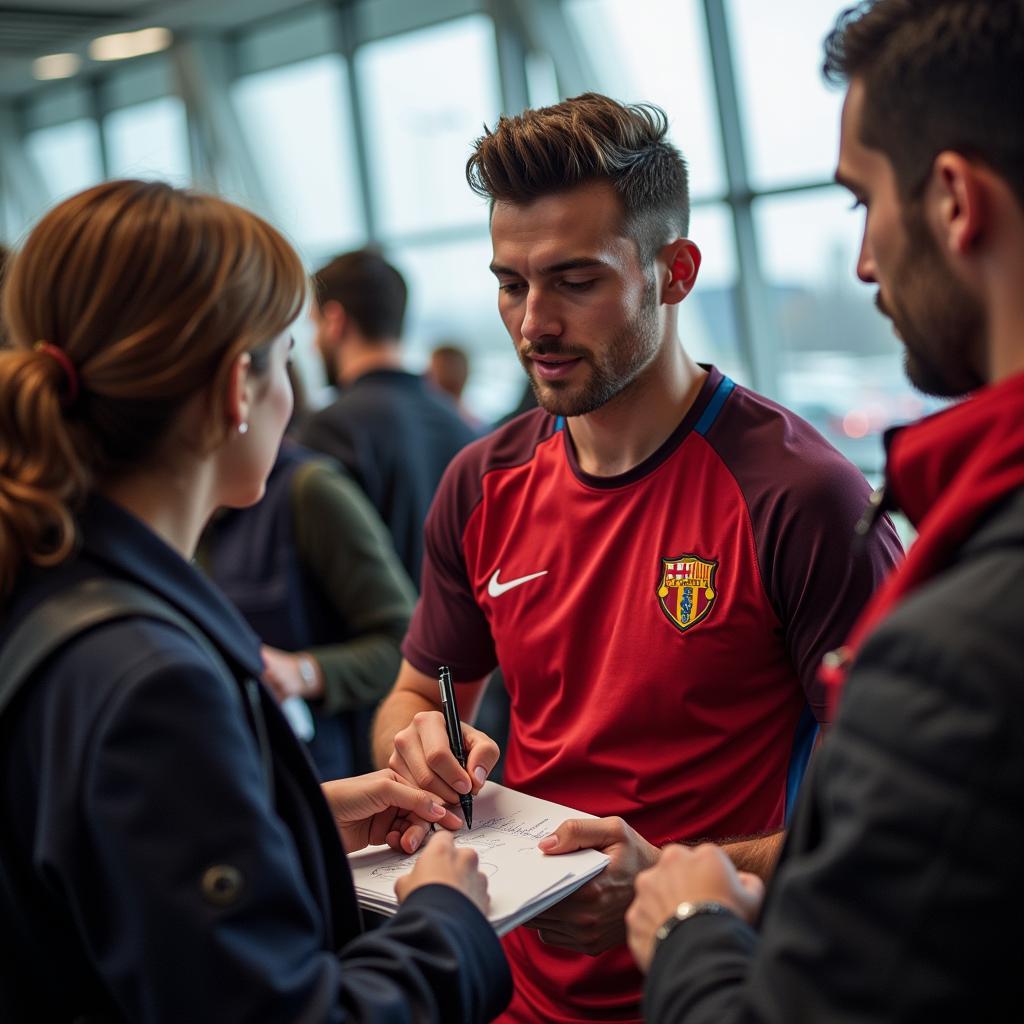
687, 592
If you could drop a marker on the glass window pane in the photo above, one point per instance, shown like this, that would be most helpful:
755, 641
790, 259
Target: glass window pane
135, 82
656, 51
790, 115
149, 140
11, 222
840, 365
453, 297
707, 316
297, 122
59, 103
294, 36
67, 156
427, 95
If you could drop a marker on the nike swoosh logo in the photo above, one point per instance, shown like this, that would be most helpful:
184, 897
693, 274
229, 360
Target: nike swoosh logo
496, 589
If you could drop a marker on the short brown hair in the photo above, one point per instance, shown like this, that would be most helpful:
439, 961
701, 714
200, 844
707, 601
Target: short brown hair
150, 293
938, 74
586, 139
370, 290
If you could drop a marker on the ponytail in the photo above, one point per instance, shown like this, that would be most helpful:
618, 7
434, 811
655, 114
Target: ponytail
43, 479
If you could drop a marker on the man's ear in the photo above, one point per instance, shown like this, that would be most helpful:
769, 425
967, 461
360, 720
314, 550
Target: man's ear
238, 398
959, 205
681, 259
334, 319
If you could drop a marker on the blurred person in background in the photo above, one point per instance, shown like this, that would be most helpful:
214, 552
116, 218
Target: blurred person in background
387, 426
898, 897
166, 851
302, 409
313, 570
448, 370
654, 556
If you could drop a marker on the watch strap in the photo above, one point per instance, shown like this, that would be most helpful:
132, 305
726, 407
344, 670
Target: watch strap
684, 912
307, 670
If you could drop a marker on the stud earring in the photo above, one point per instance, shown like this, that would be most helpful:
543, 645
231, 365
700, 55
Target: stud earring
243, 427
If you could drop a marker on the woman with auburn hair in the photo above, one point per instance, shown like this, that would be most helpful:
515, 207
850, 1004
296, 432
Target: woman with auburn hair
166, 853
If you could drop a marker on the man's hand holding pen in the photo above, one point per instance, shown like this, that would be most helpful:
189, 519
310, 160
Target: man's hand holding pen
422, 754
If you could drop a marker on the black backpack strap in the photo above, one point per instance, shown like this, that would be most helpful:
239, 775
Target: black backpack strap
69, 613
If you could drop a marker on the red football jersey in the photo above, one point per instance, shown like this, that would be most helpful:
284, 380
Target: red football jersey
659, 631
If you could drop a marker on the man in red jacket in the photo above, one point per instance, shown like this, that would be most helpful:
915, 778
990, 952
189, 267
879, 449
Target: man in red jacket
898, 897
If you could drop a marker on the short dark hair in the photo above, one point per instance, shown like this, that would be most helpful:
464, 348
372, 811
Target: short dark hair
938, 74
586, 139
369, 288
450, 365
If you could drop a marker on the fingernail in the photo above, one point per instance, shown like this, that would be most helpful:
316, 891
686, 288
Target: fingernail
437, 810
413, 844
548, 842
462, 786
480, 773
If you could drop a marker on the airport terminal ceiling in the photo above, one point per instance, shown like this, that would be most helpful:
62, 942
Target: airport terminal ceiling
347, 123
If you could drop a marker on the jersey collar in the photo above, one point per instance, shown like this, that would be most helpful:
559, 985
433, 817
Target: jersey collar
691, 421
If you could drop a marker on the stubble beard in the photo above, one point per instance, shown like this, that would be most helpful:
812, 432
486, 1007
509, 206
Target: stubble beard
629, 352
942, 326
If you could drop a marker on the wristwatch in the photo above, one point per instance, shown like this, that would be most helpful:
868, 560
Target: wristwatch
684, 912
308, 671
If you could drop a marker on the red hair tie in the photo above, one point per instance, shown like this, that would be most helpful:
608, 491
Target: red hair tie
70, 373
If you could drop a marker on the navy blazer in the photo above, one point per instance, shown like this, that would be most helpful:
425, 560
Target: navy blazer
147, 872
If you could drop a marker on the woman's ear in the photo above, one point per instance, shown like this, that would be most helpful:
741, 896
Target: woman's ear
238, 398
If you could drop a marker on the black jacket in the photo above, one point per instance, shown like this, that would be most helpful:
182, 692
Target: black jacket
900, 894
396, 436
130, 781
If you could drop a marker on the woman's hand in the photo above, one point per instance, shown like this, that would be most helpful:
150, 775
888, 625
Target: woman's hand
444, 863
383, 808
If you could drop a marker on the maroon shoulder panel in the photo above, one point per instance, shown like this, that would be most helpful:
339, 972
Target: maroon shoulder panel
804, 499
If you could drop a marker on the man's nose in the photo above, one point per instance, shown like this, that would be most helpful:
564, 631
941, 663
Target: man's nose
540, 319
866, 269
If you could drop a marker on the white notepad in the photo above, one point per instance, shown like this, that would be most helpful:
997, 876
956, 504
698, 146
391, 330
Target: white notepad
522, 881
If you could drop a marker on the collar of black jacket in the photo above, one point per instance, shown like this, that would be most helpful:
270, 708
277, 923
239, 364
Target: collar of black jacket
1001, 527
128, 548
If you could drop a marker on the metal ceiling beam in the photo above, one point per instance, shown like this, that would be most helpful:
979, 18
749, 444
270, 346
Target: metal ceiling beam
221, 159
511, 52
755, 323
546, 30
350, 36
21, 180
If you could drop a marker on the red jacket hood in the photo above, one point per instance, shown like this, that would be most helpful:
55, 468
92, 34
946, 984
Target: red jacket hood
945, 472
